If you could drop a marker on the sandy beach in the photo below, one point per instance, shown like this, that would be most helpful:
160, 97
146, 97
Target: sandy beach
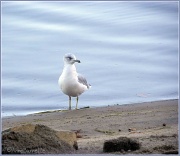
153, 124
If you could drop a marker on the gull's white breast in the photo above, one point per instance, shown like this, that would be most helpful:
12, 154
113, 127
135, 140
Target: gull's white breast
68, 82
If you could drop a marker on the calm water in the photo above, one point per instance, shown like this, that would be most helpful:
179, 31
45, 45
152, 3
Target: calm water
128, 50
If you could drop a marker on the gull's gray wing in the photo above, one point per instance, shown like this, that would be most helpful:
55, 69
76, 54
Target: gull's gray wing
82, 80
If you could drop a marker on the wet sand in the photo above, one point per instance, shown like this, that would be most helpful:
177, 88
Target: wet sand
153, 124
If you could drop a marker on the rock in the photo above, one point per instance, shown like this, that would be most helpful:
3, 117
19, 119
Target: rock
29, 128
164, 124
37, 139
132, 129
121, 144
68, 137
77, 132
171, 152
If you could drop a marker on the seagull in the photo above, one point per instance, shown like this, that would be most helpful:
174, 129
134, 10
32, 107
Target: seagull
70, 82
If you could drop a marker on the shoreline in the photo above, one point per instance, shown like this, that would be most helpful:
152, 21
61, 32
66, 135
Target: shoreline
93, 107
154, 124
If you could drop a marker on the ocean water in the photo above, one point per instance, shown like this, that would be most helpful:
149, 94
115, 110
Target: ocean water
128, 53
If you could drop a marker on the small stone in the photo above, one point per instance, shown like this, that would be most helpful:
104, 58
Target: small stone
131, 129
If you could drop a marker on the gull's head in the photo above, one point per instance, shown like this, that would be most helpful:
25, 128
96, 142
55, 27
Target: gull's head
70, 59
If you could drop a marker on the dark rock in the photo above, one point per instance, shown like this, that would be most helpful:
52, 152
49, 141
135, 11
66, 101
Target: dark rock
164, 124
171, 152
37, 139
121, 144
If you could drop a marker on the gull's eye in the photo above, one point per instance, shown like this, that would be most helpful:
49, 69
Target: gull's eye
69, 58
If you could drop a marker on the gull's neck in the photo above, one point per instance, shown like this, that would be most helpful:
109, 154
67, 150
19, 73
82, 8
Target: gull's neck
69, 69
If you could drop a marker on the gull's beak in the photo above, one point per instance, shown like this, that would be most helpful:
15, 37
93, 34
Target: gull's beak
78, 61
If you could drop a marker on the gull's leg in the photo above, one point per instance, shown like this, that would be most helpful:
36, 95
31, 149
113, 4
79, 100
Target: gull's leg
69, 103
77, 102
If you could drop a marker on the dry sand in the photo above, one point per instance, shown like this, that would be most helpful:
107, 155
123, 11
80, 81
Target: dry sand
154, 124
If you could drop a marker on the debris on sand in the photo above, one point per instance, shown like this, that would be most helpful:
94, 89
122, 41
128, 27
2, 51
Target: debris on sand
109, 132
132, 129
164, 125
77, 132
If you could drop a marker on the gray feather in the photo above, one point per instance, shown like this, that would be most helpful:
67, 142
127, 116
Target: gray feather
82, 80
